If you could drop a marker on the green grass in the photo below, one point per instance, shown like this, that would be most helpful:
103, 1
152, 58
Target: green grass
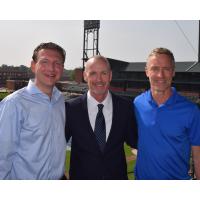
3, 94
130, 164
67, 162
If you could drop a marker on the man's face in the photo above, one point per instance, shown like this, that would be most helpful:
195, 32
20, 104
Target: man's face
98, 77
160, 71
47, 69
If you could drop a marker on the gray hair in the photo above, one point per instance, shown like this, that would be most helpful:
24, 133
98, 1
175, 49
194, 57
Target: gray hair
164, 51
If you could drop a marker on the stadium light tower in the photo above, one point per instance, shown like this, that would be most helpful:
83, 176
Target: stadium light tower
91, 39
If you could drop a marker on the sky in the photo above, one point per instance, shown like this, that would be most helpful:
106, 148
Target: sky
127, 40
129, 29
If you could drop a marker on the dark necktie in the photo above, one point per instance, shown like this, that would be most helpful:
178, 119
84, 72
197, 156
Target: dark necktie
100, 128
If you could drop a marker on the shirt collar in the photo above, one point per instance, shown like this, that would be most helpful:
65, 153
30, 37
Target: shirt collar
172, 99
106, 102
34, 90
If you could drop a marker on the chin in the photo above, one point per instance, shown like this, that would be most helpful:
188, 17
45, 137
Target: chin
100, 92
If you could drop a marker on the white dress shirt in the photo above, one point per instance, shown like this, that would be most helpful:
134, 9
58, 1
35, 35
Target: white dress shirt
107, 111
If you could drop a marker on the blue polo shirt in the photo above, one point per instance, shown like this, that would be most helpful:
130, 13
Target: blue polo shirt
166, 134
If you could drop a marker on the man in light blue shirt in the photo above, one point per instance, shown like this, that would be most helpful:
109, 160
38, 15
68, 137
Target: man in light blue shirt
32, 122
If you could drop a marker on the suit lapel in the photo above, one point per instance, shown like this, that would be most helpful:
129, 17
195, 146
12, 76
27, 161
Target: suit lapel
113, 131
90, 131
85, 111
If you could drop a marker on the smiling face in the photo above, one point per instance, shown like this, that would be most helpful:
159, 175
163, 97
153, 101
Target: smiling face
160, 71
98, 76
48, 69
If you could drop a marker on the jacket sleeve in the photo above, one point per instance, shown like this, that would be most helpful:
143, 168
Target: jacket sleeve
132, 130
67, 123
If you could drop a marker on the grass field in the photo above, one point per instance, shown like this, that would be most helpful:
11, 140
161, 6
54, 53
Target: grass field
3, 94
130, 163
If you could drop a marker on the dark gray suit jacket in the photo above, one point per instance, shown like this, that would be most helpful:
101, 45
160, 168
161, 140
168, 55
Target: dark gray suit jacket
87, 161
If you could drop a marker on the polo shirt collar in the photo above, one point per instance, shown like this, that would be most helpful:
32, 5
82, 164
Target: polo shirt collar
172, 99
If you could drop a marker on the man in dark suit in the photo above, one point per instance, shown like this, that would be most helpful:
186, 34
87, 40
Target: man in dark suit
98, 134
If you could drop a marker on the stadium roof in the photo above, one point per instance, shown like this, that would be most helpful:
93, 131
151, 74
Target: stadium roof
119, 65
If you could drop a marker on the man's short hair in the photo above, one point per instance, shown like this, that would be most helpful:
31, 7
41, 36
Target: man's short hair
51, 46
164, 51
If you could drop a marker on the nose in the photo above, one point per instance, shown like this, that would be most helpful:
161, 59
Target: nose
51, 66
160, 73
99, 77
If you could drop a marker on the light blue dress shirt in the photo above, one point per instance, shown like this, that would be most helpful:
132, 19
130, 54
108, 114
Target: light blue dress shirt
32, 139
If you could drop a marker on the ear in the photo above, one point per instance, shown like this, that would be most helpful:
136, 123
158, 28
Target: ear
85, 76
146, 71
62, 70
33, 66
173, 73
110, 76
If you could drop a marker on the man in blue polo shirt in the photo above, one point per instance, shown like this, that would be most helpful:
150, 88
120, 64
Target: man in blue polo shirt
169, 125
